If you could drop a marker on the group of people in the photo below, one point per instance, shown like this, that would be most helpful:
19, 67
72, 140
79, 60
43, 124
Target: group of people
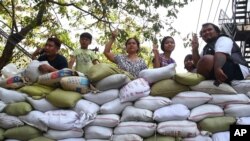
220, 59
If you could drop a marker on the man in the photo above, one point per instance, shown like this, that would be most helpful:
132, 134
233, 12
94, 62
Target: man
83, 57
221, 58
50, 53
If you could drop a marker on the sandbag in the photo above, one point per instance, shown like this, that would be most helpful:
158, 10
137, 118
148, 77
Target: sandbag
23, 133
243, 121
2, 106
102, 97
98, 132
188, 78
72, 139
63, 99
106, 120
152, 102
1, 134
41, 139
42, 105
216, 124
131, 113
115, 81
171, 112
18, 108
221, 136
114, 107
37, 91
134, 90
75, 83
11, 96
191, 98
167, 88
9, 70
223, 100
207, 86
127, 137
143, 129
158, 137
241, 86
86, 107
204, 111
158, 74
59, 135
178, 128
198, 138
237, 110
8, 121
14, 82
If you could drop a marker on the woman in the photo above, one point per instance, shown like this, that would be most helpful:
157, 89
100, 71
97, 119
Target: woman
129, 62
164, 59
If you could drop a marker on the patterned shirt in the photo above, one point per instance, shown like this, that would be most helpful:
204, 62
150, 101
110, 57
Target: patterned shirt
133, 67
164, 61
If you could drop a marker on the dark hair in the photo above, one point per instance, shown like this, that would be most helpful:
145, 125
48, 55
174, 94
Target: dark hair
188, 57
137, 42
163, 41
216, 28
56, 41
86, 35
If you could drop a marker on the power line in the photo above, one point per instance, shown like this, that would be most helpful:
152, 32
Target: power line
216, 11
210, 9
227, 6
199, 17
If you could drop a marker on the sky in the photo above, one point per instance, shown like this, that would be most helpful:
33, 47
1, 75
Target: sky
187, 22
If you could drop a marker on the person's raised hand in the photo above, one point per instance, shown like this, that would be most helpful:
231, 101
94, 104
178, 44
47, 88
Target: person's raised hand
114, 34
155, 49
194, 42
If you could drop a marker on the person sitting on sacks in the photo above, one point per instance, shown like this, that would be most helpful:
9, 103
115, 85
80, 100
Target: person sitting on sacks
50, 53
221, 59
129, 62
189, 63
164, 59
84, 57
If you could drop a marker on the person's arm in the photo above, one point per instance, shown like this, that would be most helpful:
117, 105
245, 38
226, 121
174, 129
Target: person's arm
156, 60
195, 49
45, 68
107, 51
71, 61
37, 52
219, 61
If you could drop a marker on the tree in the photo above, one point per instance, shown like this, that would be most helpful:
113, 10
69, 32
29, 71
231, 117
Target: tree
31, 21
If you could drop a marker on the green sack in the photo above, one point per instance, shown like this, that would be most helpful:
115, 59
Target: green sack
23, 133
41, 139
167, 88
37, 90
63, 99
18, 108
1, 134
99, 71
216, 124
188, 78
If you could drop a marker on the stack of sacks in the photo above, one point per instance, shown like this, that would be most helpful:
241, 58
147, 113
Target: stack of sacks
160, 105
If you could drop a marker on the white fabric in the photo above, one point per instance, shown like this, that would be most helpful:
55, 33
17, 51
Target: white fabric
102, 97
157, 74
66, 119
171, 112
152, 102
42, 105
224, 44
237, 110
7, 121
128, 137
2, 106
243, 121
73, 139
223, 100
131, 113
221, 136
115, 81
134, 90
204, 111
9, 70
98, 132
178, 128
86, 107
198, 138
11, 96
241, 86
108, 120
191, 98
143, 129
59, 135
114, 107
33, 119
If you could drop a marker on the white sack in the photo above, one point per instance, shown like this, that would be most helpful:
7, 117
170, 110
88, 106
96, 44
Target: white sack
59, 135
237, 110
115, 81
134, 90
243, 121
131, 113
11, 96
98, 132
114, 107
73, 139
9, 70
157, 74
127, 137
8, 121
223, 100
241, 86
86, 107
102, 97
198, 138
221, 136
204, 111
2, 106
42, 105
152, 102
191, 98
108, 120
171, 112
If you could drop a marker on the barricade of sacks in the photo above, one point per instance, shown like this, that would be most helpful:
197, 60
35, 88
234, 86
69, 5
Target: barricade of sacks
108, 104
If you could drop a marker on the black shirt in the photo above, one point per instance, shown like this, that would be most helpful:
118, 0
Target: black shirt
59, 62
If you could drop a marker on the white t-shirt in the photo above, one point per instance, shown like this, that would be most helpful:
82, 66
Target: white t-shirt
225, 44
